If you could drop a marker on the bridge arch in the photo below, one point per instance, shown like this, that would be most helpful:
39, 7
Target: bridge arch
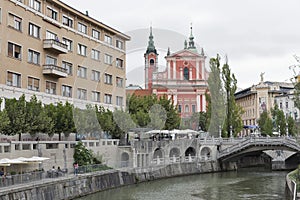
205, 153
124, 159
174, 152
190, 151
158, 153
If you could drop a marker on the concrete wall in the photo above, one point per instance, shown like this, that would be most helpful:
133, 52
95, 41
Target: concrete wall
81, 185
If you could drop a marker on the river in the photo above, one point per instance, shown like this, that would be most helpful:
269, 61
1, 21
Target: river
253, 184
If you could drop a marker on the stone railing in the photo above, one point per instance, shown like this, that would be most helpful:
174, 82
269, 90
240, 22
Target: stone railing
284, 141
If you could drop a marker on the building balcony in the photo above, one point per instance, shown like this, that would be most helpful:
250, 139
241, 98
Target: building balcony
56, 71
55, 46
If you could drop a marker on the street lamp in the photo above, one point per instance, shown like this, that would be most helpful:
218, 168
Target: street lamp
220, 132
287, 129
230, 131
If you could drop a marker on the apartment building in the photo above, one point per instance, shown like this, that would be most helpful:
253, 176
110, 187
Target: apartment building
259, 98
60, 54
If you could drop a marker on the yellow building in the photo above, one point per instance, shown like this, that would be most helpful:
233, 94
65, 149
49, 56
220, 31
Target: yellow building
60, 54
258, 98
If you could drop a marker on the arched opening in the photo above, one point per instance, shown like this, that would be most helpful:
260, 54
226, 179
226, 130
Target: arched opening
124, 159
158, 156
205, 153
174, 155
186, 73
190, 151
151, 61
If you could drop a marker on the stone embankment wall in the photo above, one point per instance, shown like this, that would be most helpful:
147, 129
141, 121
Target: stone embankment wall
70, 188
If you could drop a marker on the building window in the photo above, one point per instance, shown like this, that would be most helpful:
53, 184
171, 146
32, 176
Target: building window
82, 28
67, 21
193, 108
69, 43
179, 108
186, 73
107, 59
96, 34
108, 79
0, 15
119, 44
50, 35
119, 63
108, 39
108, 98
50, 87
15, 22
51, 61
280, 105
66, 91
68, 66
81, 94
13, 79
95, 75
186, 109
119, 82
33, 84
33, 57
95, 96
34, 30
286, 104
14, 50
51, 13
81, 49
95, 54
119, 101
81, 72
36, 5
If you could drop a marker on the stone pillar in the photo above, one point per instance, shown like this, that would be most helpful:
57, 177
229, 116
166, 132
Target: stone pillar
181, 74
198, 103
2, 106
197, 70
203, 103
169, 70
191, 74
174, 69
175, 99
134, 159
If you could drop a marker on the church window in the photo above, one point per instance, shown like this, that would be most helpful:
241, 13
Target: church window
152, 62
186, 73
186, 109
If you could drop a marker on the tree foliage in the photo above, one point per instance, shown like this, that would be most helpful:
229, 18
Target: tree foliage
82, 155
265, 123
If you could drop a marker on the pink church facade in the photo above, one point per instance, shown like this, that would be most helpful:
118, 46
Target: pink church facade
184, 79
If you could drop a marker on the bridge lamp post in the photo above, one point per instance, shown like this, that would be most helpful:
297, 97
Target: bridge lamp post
220, 132
287, 129
231, 132
279, 130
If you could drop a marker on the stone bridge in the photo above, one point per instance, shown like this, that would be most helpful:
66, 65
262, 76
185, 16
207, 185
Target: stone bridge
252, 145
145, 153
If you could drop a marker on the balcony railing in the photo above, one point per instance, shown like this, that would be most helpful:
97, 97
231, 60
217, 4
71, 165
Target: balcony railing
55, 71
55, 46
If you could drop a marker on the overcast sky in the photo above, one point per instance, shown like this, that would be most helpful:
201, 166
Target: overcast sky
257, 36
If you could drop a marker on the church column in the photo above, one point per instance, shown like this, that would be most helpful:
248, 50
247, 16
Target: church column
181, 74
198, 103
174, 69
202, 69
175, 99
197, 70
169, 70
203, 103
191, 74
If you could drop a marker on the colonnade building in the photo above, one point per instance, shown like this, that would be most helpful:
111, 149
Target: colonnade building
60, 54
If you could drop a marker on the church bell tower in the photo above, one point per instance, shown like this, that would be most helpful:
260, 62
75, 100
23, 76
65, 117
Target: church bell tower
151, 58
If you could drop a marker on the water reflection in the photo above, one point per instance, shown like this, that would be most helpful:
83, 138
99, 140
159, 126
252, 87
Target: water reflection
245, 185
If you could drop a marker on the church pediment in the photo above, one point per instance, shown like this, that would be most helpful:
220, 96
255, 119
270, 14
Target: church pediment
184, 53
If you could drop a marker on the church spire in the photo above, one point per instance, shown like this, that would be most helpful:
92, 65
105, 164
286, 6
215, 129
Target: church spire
191, 41
151, 47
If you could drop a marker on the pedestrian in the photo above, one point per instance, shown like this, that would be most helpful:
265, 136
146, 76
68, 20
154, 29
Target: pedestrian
76, 168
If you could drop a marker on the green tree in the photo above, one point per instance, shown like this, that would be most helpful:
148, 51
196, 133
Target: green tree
4, 121
82, 155
37, 119
279, 120
123, 121
16, 111
265, 123
233, 118
200, 120
291, 126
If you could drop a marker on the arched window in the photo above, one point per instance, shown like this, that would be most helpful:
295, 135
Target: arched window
151, 61
186, 73
186, 109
